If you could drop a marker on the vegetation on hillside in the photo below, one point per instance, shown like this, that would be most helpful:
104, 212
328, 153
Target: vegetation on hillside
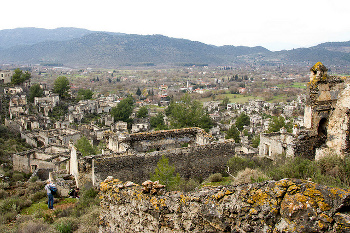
188, 113
123, 110
19, 77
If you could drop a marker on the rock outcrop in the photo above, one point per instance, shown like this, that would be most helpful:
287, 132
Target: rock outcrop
288, 205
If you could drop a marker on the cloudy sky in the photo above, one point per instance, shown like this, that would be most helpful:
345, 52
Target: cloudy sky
274, 24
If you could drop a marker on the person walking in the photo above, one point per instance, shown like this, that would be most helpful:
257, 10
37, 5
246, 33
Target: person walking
49, 194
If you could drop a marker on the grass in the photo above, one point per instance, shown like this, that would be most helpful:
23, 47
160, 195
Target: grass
42, 205
234, 98
35, 208
299, 85
225, 181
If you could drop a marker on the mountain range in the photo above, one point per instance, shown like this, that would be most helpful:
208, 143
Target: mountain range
75, 47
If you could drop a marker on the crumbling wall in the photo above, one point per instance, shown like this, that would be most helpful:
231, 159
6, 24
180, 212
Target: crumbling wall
338, 125
191, 162
288, 205
159, 140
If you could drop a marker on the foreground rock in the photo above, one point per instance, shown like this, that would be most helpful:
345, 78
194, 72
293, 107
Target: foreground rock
288, 205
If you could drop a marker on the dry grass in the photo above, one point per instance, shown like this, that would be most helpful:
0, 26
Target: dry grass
248, 175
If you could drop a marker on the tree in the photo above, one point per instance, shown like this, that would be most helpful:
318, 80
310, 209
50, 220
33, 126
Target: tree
188, 113
123, 110
84, 146
224, 102
19, 77
165, 174
157, 122
84, 94
242, 120
256, 141
138, 92
61, 86
233, 133
142, 112
35, 91
277, 123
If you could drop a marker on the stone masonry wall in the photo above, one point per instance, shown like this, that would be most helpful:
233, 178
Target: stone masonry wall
192, 162
288, 205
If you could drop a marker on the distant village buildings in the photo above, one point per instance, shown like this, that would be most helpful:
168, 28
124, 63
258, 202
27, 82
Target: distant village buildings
315, 134
5, 76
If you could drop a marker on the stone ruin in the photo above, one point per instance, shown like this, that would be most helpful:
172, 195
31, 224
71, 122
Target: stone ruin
326, 121
135, 156
158, 140
288, 205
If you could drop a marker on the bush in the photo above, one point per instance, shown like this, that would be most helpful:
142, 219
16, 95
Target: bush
188, 185
14, 204
17, 177
299, 168
217, 177
34, 179
89, 222
33, 187
8, 216
3, 194
4, 185
249, 176
33, 227
165, 173
237, 164
90, 193
38, 196
66, 225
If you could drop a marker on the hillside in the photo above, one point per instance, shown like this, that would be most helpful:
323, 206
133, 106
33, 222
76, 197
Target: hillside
80, 48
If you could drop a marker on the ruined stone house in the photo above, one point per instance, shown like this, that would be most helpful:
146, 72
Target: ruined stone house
47, 103
326, 121
42, 160
13, 90
5, 76
60, 137
17, 106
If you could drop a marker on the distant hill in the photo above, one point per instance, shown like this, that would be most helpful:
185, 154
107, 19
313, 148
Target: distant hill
81, 47
30, 36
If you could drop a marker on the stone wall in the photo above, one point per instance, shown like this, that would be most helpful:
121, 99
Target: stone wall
158, 140
288, 205
191, 162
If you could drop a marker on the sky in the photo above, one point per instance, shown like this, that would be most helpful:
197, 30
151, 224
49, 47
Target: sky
273, 24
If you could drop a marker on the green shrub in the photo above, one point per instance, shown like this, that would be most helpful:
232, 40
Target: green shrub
90, 193
48, 218
4, 185
188, 185
17, 177
217, 177
66, 225
88, 223
14, 204
34, 179
34, 187
8, 216
38, 196
237, 164
165, 173
3, 194
299, 168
